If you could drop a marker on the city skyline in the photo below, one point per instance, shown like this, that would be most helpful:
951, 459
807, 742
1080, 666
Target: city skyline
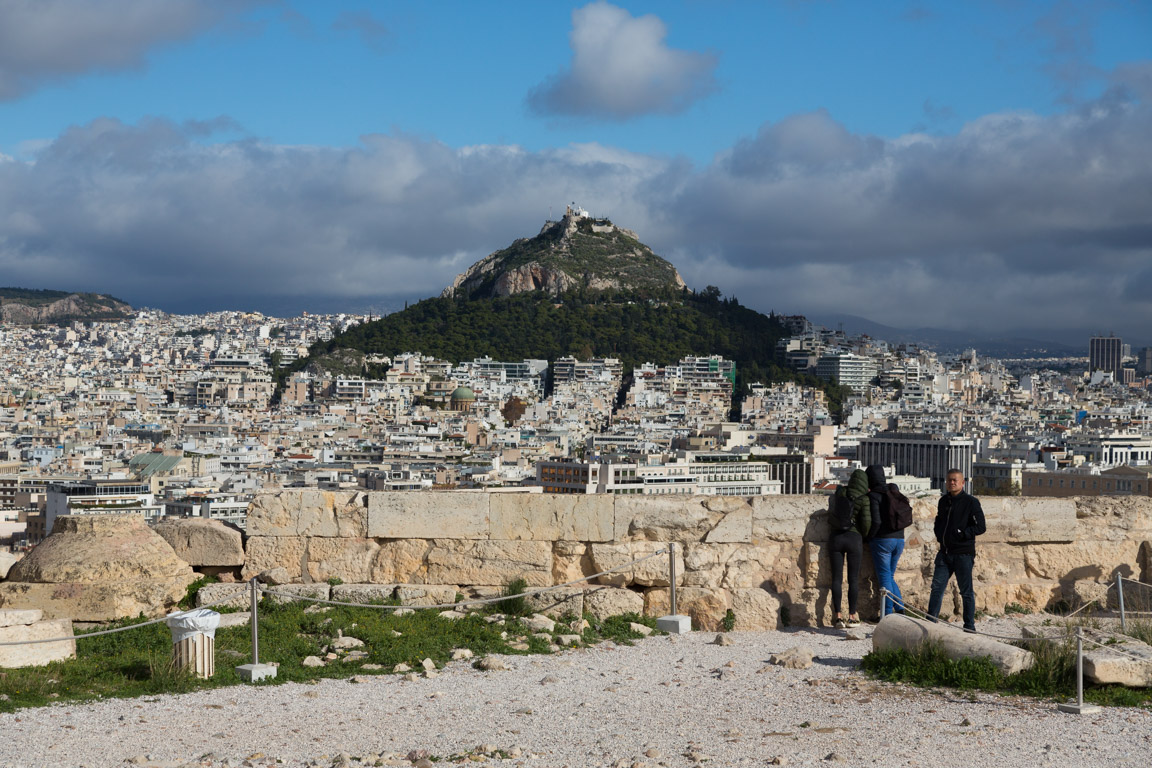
978, 168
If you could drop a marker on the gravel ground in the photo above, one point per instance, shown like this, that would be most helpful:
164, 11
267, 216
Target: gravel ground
666, 701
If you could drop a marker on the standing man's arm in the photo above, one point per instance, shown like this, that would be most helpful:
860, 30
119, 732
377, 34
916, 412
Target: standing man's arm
940, 525
976, 524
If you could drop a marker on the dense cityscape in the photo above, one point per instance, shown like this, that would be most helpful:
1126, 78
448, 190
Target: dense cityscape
179, 415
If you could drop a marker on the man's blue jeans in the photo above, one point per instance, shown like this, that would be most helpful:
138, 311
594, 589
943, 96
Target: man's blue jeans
961, 565
885, 555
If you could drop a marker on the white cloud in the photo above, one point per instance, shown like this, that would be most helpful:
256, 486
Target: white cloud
45, 41
1018, 221
621, 68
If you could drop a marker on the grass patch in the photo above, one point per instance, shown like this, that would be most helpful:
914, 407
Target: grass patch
1052, 677
138, 662
514, 604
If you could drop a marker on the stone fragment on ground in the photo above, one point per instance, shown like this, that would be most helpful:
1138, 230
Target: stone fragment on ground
797, 657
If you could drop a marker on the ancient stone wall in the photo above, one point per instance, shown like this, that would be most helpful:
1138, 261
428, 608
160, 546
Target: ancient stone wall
762, 557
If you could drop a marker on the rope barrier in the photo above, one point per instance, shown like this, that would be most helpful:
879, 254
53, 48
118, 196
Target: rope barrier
1116, 650
87, 635
477, 601
925, 616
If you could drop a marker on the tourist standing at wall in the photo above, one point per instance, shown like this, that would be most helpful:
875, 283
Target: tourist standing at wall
847, 543
959, 520
887, 542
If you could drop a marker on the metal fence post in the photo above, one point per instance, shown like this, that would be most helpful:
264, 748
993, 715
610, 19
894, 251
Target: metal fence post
1120, 598
673, 623
1079, 707
255, 632
255, 671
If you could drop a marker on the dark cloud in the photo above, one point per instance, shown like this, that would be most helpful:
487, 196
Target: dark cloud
1016, 221
622, 68
372, 33
46, 41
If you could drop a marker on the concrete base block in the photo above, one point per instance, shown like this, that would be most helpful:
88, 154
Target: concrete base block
1079, 709
256, 672
674, 625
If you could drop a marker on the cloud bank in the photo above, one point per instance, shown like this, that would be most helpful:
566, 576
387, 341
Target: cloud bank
622, 68
46, 41
1017, 221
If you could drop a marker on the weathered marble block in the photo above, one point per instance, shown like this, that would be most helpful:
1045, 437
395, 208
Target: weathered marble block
431, 515
552, 517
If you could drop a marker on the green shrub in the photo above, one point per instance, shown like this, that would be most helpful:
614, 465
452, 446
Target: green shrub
729, 621
1015, 608
515, 604
188, 602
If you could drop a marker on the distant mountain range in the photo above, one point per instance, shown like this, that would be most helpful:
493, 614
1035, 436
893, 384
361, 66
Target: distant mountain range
26, 306
1022, 343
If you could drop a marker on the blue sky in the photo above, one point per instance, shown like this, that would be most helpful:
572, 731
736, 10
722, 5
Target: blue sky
987, 162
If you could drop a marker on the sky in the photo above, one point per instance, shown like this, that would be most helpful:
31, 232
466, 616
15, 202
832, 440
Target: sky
982, 166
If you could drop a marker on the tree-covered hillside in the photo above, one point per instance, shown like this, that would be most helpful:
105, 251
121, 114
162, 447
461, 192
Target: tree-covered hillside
637, 327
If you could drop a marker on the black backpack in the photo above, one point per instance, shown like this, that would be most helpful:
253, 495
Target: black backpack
899, 509
841, 511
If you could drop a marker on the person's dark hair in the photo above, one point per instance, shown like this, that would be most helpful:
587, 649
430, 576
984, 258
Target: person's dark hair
954, 472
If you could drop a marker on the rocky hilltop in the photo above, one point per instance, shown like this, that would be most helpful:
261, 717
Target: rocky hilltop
28, 307
576, 251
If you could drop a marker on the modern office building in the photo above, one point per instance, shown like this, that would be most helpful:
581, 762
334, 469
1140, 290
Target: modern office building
921, 455
1105, 353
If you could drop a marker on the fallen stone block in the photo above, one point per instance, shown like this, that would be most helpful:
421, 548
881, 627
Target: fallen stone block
904, 632
37, 654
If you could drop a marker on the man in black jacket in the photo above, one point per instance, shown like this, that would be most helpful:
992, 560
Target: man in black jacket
959, 520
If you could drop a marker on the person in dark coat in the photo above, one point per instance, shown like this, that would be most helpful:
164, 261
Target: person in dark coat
886, 545
959, 520
849, 545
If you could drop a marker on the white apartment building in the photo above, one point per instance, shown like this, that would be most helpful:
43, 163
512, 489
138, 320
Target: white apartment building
848, 369
99, 497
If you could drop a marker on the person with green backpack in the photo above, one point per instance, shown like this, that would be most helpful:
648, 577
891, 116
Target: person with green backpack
850, 521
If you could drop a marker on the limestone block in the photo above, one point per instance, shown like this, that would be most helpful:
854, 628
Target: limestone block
789, 518
97, 601
7, 560
666, 518
426, 594
1022, 520
817, 566
210, 594
603, 602
769, 564
897, 631
20, 618
1114, 517
551, 517
570, 561
651, 572
736, 524
1033, 595
268, 552
1080, 593
755, 609
199, 541
39, 654
706, 607
430, 515
558, 602
400, 561
994, 562
463, 561
347, 559
1077, 560
101, 548
287, 593
363, 593
1105, 666
309, 512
